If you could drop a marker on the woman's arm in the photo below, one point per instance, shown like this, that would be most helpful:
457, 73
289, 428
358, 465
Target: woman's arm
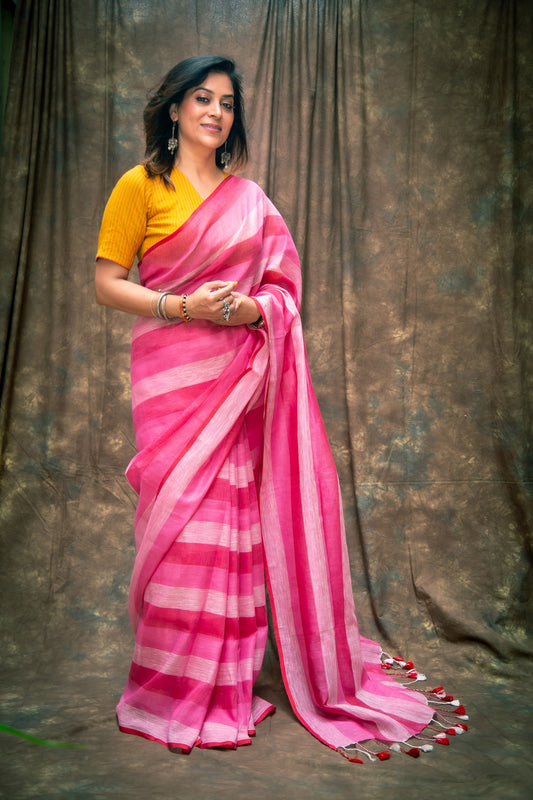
113, 289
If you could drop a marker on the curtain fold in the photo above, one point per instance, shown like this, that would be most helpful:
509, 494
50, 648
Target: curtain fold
395, 138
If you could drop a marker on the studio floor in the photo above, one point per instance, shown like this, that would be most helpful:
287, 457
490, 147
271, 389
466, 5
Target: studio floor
493, 760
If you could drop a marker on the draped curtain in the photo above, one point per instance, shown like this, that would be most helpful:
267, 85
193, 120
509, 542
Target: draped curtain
396, 139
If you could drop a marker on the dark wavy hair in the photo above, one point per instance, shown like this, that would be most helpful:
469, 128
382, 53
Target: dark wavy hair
186, 75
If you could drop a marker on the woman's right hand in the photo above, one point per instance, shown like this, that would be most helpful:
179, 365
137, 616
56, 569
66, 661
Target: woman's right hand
206, 302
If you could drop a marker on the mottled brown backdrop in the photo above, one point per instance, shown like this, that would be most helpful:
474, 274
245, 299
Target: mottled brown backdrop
395, 136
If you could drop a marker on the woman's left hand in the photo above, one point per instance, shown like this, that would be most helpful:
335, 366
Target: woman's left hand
242, 311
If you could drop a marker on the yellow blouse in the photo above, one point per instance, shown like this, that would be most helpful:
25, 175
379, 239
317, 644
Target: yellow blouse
141, 211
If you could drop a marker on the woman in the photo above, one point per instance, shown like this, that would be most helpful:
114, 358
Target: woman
233, 471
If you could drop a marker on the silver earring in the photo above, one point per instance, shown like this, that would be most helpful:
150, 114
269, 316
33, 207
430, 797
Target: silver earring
172, 142
225, 157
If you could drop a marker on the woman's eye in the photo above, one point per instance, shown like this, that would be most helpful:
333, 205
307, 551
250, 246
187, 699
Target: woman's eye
206, 100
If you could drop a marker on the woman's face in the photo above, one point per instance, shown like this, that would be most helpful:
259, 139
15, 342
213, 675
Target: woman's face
205, 115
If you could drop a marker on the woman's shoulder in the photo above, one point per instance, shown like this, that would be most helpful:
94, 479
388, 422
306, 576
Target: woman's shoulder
250, 187
136, 177
245, 183
255, 193
133, 188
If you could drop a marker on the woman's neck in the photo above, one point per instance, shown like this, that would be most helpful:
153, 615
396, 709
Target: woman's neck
203, 173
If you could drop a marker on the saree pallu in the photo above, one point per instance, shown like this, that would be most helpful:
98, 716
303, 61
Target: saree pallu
236, 478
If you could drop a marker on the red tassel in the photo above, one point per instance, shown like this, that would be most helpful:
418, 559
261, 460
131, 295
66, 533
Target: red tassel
383, 756
353, 759
460, 710
438, 689
447, 698
462, 725
442, 740
385, 666
451, 732
408, 665
414, 752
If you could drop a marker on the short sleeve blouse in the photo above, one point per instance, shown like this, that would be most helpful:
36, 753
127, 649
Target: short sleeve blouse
141, 211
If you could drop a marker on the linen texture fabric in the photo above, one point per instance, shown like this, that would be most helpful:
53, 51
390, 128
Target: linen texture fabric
233, 460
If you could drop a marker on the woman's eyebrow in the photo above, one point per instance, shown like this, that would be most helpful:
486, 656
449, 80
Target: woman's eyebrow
210, 91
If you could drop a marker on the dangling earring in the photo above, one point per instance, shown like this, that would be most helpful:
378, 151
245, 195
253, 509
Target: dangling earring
172, 142
225, 157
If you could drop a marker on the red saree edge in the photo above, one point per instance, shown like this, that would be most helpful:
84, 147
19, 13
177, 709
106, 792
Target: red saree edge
224, 745
186, 749
270, 710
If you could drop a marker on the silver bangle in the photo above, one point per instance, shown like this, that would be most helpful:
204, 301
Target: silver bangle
160, 308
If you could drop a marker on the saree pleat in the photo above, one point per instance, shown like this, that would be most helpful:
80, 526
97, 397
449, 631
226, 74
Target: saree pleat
201, 636
236, 478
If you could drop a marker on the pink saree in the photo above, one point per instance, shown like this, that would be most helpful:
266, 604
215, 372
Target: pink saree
235, 477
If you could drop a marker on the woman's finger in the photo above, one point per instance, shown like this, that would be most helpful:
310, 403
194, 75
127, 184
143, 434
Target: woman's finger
213, 286
222, 287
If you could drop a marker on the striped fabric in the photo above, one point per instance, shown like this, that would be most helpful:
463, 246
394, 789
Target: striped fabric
235, 476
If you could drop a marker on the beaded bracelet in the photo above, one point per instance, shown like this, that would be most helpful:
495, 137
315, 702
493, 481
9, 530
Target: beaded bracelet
184, 307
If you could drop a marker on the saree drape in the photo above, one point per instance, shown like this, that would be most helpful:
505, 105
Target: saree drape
232, 453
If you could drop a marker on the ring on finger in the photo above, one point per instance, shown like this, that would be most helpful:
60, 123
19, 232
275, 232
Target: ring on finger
227, 310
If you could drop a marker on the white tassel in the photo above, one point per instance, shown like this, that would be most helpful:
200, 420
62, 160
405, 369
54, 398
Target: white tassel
356, 748
455, 703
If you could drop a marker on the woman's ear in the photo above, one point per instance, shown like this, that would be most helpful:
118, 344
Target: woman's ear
173, 112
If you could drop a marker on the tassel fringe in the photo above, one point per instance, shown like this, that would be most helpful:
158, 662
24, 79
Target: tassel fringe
449, 720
